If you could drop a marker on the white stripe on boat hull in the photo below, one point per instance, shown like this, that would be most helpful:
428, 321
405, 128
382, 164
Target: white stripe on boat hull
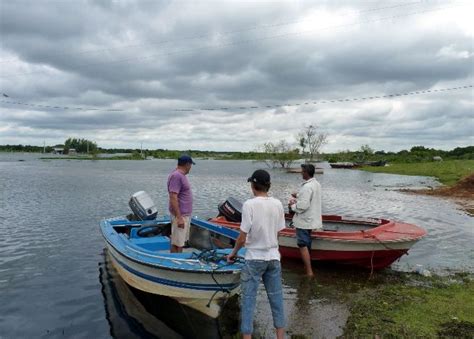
197, 298
350, 245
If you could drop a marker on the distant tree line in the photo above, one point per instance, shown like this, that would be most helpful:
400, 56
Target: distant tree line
80, 145
279, 154
24, 148
415, 154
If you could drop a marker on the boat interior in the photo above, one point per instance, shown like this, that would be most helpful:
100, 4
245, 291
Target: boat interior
334, 226
231, 210
150, 237
155, 238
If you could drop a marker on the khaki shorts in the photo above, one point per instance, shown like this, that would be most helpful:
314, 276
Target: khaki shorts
179, 236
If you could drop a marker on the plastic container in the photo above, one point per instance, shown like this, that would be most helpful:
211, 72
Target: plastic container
422, 271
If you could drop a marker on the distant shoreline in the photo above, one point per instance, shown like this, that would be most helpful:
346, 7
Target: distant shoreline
91, 158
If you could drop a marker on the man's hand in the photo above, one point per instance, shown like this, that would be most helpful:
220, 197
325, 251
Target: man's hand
231, 258
239, 243
181, 222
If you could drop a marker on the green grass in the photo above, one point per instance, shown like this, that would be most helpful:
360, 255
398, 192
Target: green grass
447, 172
438, 307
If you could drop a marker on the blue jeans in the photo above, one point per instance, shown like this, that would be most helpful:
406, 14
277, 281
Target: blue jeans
303, 238
270, 273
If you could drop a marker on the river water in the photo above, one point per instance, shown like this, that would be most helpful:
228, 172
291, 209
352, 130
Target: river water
55, 280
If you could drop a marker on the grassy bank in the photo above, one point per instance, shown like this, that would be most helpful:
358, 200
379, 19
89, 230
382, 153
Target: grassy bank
414, 306
389, 304
447, 172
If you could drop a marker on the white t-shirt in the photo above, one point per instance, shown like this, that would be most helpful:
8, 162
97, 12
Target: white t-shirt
262, 219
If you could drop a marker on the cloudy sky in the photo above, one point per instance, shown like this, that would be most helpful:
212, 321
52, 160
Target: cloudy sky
231, 75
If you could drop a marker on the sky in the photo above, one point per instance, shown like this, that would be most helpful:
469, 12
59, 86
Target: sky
232, 75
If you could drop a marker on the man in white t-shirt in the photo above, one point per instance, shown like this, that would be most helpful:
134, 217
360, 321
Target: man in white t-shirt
262, 218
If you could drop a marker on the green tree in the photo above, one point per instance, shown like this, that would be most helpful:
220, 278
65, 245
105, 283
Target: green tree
80, 145
365, 153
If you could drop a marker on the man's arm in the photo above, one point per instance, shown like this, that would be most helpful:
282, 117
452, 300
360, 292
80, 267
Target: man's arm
175, 208
282, 223
304, 200
239, 243
245, 226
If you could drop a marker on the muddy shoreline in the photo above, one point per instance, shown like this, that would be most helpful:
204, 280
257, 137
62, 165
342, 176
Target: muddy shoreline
341, 304
461, 193
412, 305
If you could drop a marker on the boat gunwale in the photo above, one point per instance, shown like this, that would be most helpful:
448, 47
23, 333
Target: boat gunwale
369, 236
202, 270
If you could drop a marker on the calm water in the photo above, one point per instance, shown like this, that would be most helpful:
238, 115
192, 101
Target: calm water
55, 280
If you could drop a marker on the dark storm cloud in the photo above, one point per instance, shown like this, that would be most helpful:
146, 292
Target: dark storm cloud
151, 59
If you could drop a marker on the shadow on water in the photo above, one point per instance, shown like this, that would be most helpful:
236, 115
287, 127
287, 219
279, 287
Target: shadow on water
132, 313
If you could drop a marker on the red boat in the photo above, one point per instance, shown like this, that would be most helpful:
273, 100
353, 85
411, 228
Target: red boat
367, 242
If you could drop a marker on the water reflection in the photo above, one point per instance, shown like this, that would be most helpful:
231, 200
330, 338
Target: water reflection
132, 313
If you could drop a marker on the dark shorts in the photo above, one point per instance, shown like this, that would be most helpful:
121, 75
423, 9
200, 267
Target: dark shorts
303, 238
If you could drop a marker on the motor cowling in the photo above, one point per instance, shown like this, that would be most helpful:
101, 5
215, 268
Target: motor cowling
143, 206
231, 209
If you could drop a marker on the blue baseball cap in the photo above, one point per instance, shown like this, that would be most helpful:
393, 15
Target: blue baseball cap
185, 159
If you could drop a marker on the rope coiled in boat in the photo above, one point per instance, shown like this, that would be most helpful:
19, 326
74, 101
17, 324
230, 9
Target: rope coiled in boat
212, 256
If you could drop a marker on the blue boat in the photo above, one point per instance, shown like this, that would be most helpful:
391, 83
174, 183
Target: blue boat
200, 279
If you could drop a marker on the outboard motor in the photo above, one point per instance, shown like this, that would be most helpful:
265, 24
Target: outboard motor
142, 206
231, 209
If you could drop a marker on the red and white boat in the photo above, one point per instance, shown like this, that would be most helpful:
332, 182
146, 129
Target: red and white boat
367, 242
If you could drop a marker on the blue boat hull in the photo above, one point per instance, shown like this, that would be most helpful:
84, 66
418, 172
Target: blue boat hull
201, 280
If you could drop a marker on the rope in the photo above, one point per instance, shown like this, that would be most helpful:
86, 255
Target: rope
373, 252
371, 265
211, 255
377, 239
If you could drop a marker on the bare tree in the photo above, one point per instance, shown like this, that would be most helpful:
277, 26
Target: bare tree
310, 138
279, 154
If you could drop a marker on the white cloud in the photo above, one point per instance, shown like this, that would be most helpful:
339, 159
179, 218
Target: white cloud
151, 59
